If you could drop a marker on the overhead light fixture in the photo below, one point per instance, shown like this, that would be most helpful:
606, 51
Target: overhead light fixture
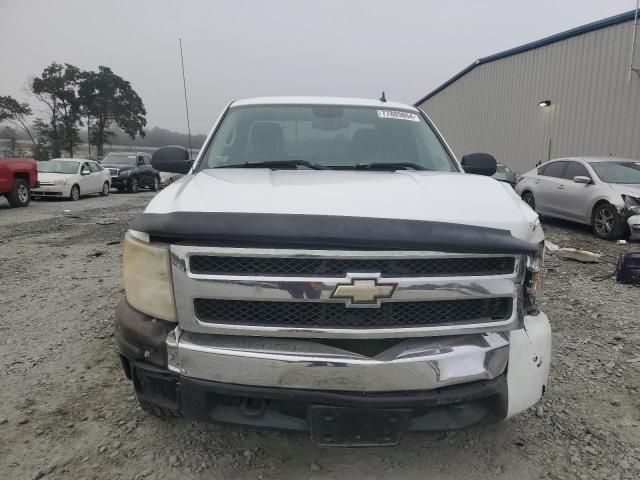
544, 103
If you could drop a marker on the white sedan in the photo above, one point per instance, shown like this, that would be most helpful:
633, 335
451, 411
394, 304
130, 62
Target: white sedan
167, 178
70, 178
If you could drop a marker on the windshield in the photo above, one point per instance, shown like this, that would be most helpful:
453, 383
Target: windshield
120, 159
326, 136
617, 172
58, 166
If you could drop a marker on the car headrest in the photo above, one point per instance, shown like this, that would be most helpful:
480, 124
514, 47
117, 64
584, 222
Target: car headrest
267, 137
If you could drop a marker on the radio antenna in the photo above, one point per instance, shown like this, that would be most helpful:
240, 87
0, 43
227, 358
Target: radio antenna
186, 102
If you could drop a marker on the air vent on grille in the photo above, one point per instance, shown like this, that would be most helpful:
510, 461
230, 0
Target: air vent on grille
336, 315
310, 267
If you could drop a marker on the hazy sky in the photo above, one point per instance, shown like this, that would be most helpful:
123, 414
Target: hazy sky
242, 48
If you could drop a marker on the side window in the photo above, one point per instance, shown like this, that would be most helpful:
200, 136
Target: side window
93, 167
541, 169
575, 169
555, 169
140, 160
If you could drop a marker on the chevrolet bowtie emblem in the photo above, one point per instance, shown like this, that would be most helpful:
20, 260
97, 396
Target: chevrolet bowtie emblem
365, 291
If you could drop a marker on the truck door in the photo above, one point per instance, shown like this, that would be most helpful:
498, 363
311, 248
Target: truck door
150, 169
145, 171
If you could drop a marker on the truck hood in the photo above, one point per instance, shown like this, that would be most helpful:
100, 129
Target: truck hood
427, 196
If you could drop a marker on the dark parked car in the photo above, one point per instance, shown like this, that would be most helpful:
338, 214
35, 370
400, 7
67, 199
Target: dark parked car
131, 171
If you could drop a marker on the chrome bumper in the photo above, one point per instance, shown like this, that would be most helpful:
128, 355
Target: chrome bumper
412, 364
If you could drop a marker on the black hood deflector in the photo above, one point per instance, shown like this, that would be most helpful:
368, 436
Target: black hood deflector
272, 230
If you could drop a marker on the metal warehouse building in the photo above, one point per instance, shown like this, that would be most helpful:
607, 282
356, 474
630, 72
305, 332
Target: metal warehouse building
574, 93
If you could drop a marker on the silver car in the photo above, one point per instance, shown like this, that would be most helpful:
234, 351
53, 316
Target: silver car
603, 192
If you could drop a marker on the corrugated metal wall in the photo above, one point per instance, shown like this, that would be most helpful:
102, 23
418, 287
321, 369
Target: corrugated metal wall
594, 109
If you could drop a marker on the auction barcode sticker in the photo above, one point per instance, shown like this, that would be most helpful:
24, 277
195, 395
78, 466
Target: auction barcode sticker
398, 115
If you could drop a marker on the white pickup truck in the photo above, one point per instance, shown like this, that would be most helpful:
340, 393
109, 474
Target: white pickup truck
326, 265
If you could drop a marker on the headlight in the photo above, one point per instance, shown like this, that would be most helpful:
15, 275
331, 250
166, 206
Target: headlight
533, 276
632, 204
60, 182
147, 277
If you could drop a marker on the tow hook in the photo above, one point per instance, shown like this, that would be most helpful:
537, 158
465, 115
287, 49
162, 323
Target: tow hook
253, 407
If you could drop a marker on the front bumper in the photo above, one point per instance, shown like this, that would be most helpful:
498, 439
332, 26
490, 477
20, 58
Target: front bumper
404, 365
446, 409
441, 383
119, 182
634, 227
51, 191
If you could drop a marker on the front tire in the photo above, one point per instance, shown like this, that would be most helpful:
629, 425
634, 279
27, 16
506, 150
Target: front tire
75, 193
156, 184
20, 195
606, 222
163, 413
529, 199
134, 185
105, 189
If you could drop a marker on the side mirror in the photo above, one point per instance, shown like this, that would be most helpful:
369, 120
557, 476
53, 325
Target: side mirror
479, 164
85, 171
582, 179
173, 159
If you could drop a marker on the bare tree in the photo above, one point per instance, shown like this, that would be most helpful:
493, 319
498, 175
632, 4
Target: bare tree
16, 113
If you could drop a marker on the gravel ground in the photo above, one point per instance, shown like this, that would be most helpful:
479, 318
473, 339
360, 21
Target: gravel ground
66, 411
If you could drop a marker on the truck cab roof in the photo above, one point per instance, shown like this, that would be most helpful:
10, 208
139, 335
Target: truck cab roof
311, 100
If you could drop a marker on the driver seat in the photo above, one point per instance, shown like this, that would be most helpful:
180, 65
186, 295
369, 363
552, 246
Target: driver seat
267, 142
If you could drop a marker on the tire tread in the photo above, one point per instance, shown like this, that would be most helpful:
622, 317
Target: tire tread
163, 413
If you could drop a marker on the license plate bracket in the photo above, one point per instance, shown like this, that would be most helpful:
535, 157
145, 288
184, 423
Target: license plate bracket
357, 427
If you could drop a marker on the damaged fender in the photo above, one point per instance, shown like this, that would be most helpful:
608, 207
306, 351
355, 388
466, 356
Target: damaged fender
529, 362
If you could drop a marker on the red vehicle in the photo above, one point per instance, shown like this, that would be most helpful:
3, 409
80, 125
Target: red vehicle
17, 177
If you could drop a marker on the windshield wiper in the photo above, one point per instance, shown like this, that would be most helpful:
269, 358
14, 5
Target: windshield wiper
276, 164
388, 166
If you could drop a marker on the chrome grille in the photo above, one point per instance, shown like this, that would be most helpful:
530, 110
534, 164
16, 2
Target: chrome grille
334, 315
319, 267
293, 292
